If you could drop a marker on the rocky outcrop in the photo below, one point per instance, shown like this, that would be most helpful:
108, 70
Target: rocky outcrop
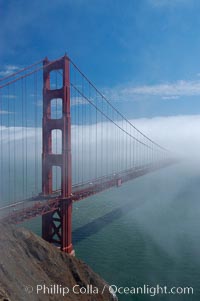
32, 269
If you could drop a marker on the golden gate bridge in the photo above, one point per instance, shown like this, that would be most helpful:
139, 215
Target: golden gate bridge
61, 141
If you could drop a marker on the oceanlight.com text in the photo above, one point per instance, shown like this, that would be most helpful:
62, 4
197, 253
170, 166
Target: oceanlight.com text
151, 290
57, 289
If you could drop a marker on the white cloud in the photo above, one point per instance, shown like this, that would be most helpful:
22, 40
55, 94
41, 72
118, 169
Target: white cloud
161, 3
171, 97
8, 70
38, 103
179, 88
9, 96
3, 112
176, 133
78, 101
171, 90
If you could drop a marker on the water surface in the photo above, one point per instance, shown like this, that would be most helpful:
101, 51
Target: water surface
145, 232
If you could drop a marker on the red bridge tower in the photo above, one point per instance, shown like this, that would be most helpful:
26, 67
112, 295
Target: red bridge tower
57, 225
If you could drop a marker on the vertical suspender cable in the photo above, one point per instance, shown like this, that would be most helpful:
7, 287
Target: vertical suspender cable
14, 144
26, 137
96, 171
82, 178
1, 146
9, 151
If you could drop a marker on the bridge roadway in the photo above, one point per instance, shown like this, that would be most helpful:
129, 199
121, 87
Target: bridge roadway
39, 205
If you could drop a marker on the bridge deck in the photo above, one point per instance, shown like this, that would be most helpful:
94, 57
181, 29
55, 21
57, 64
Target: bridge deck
40, 205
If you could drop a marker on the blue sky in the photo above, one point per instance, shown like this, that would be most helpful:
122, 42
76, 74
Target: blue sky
143, 54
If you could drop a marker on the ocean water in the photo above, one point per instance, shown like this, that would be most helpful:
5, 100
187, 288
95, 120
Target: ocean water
147, 232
